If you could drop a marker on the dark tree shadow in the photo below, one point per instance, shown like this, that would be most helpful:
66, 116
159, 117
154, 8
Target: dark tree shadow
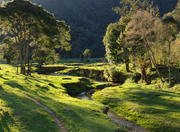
74, 89
3, 78
42, 88
30, 115
14, 84
5, 119
154, 103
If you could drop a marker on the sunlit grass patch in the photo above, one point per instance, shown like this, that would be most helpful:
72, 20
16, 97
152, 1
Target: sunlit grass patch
155, 110
24, 115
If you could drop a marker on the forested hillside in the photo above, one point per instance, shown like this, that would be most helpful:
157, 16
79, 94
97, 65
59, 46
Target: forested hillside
88, 20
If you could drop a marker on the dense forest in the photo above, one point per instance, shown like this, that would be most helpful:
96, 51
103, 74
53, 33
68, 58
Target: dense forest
88, 20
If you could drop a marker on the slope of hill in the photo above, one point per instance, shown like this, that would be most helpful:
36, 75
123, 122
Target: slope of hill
88, 20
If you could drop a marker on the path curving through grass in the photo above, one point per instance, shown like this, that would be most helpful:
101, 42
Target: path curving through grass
51, 113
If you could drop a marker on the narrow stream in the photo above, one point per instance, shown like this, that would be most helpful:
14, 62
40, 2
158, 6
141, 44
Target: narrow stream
120, 121
84, 96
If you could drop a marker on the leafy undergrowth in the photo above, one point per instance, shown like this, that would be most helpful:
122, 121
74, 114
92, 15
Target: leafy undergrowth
20, 114
155, 110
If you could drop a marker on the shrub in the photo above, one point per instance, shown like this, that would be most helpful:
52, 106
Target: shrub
113, 75
87, 53
136, 77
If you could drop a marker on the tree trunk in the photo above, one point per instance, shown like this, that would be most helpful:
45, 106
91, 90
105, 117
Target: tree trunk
17, 64
143, 75
21, 60
28, 63
151, 64
153, 60
25, 59
134, 64
8, 60
17, 69
127, 67
156, 67
127, 59
169, 59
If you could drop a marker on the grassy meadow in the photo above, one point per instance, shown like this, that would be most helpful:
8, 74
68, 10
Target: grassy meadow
50, 82
154, 109
150, 106
18, 113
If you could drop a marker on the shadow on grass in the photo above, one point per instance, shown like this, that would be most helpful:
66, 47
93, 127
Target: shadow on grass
79, 117
14, 84
34, 79
152, 105
5, 120
52, 85
42, 88
102, 86
151, 98
74, 89
29, 116
3, 78
155, 98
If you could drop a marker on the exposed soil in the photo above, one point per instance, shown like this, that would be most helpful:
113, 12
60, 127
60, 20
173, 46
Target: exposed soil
51, 113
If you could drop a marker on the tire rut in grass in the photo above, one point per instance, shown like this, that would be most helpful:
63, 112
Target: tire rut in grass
51, 113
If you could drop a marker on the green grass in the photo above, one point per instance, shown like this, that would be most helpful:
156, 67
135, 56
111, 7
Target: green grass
155, 110
94, 71
20, 114
147, 105
152, 75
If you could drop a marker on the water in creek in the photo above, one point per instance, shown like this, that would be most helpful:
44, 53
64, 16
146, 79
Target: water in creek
84, 96
120, 121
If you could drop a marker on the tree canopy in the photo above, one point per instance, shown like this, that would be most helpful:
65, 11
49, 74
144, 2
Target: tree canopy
142, 37
89, 20
29, 25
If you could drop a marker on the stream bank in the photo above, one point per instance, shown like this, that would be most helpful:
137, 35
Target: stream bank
97, 75
84, 90
120, 121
